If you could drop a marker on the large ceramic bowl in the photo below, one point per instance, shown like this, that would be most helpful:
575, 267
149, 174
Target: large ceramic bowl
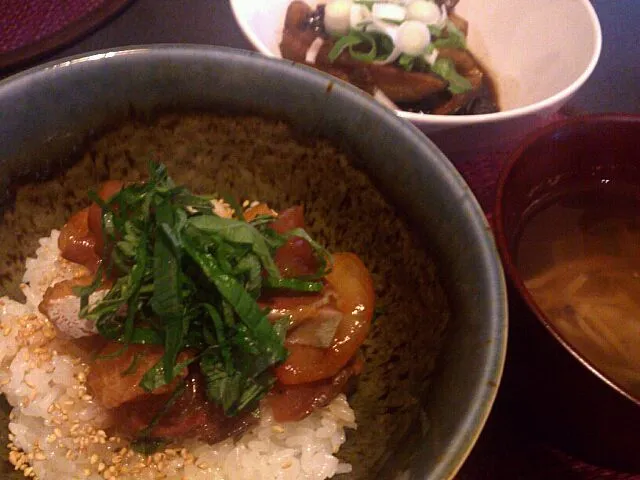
370, 182
538, 56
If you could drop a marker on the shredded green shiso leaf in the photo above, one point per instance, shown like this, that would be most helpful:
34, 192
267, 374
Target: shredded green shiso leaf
187, 279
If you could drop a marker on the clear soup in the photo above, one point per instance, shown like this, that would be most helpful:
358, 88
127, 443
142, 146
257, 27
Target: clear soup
579, 255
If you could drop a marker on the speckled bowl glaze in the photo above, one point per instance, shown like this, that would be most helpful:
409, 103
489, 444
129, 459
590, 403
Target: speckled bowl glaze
235, 122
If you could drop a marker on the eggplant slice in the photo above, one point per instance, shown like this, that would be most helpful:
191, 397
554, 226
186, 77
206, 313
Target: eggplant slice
412, 91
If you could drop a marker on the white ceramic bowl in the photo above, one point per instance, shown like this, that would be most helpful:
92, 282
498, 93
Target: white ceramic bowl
539, 54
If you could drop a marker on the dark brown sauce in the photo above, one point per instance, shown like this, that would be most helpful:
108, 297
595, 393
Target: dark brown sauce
483, 101
192, 415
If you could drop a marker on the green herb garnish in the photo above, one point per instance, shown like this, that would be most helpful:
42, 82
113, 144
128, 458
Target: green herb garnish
133, 366
369, 45
189, 280
144, 442
363, 46
350, 41
447, 70
406, 62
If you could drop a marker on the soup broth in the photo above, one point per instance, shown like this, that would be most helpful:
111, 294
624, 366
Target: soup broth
579, 254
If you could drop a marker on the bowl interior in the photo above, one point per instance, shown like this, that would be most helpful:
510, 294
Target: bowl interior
435, 355
579, 153
534, 53
252, 158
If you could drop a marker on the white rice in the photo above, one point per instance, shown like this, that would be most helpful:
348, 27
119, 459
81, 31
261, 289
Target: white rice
57, 430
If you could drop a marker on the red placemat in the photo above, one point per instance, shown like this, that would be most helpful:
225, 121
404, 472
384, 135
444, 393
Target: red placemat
32, 28
482, 175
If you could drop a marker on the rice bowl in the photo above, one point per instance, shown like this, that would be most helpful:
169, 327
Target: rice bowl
82, 436
57, 427
249, 385
410, 420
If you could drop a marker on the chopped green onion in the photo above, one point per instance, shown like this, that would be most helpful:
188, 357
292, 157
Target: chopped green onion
133, 366
447, 70
369, 56
406, 62
342, 44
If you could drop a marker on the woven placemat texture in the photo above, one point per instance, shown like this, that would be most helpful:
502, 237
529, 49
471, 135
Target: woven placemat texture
31, 29
26, 22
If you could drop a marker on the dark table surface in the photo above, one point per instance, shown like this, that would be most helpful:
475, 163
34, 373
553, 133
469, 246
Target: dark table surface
613, 87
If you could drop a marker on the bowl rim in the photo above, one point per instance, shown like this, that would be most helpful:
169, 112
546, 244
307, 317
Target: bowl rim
465, 436
447, 121
502, 241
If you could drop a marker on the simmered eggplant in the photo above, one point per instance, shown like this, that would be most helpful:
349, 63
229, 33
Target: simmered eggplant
413, 52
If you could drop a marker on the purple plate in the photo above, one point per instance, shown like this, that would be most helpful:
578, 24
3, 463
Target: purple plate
31, 29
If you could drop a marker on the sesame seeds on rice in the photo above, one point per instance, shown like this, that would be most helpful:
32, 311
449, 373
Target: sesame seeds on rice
58, 431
